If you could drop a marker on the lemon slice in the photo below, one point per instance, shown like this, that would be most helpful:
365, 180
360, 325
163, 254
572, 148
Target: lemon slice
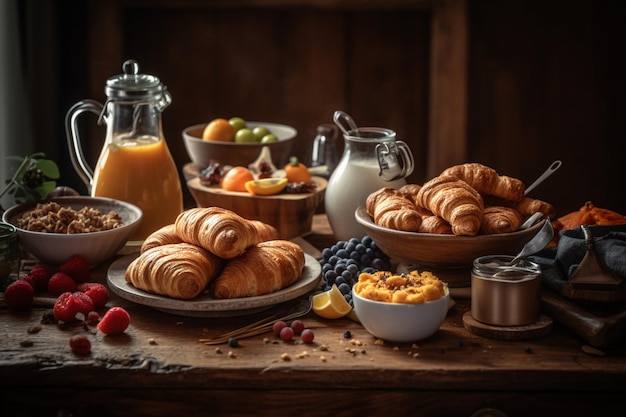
266, 186
331, 304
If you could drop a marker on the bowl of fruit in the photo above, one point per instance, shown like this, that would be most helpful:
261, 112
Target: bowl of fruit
236, 141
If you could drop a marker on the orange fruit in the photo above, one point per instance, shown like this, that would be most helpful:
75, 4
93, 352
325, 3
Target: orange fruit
266, 186
236, 179
218, 130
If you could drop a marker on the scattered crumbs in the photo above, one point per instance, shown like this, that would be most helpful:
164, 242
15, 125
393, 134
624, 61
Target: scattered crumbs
302, 355
379, 342
354, 351
285, 357
34, 329
592, 351
232, 354
355, 342
180, 323
396, 348
416, 355
218, 350
414, 346
152, 341
324, 348
266, 340
323, 358
26, 343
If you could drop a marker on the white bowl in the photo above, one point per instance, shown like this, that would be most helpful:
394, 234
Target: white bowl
95, 247
201, 152
401, 323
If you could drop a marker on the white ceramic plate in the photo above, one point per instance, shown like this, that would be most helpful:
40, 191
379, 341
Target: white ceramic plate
206, 306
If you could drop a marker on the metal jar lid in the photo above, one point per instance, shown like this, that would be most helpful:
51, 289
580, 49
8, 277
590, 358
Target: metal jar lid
133, 86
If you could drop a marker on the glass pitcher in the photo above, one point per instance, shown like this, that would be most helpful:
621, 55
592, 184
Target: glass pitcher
135, 164
372, 159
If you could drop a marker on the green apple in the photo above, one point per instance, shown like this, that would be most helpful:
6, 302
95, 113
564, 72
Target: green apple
269, 138
259, 132
237, 123
245, 135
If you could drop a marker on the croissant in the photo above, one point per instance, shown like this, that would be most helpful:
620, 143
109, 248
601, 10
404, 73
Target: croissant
163, 236
391, 209
264, 268
526, 206
486, 180
455, 201
264, 231
433, 224
178, 270
500, 219
218, 230
410, 191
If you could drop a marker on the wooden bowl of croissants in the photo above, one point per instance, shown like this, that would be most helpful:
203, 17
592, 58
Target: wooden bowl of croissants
467, 211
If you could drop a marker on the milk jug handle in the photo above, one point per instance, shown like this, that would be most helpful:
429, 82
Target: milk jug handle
73, 138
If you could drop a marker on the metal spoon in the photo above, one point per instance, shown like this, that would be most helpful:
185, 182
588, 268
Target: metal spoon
551, 169
342, 120
538, 242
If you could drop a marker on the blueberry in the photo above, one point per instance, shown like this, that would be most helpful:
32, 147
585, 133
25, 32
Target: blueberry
344, 288
342, 253
233, 342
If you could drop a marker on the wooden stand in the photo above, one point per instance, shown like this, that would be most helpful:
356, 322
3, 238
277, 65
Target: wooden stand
542, 327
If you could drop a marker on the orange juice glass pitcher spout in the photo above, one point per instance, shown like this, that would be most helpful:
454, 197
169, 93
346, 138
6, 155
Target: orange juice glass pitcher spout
135, 164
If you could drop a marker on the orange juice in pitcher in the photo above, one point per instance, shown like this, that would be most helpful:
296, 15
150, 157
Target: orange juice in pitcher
135, 164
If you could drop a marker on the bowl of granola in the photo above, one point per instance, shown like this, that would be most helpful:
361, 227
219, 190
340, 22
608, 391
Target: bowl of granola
55, 229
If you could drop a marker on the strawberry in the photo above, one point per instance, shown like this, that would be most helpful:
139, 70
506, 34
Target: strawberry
115, 321
18, 295
80, 345
69, 304
40, 274
60, 283
76, 267
96, 291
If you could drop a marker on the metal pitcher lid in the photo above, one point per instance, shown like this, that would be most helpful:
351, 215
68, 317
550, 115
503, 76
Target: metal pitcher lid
132, 85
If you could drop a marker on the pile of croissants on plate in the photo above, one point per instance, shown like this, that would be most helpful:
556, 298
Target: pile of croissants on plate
465, 200
215, 250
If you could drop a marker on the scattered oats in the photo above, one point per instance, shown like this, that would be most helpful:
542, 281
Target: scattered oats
285, 357
324, 348
416, 355
266, 340
396, 348
218, 350
592, 351
352, 351
303, 354
26, 343
323, 358
231, 354
152, 341
379, 342
34, 329
355, 342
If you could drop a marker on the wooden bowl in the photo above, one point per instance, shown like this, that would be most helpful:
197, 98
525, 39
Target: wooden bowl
442, 251
290, 214
201, 152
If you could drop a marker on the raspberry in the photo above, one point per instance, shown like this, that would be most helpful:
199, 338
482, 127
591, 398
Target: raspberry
60, 283
115, 321
69, 304
76, 267
30, 281
19, 295
41, 275
80, 345
96, 291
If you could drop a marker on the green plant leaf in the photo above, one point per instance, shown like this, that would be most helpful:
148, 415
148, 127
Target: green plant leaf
49, 168
46, 188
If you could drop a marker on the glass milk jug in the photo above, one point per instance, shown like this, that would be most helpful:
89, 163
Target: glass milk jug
135, 164
372, 159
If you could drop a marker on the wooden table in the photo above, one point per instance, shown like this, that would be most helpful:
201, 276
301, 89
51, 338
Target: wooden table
159, 368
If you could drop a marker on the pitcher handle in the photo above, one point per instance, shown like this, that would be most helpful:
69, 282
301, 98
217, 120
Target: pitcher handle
395, 160
73, 138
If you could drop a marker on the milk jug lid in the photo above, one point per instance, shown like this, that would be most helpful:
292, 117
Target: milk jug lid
131, 85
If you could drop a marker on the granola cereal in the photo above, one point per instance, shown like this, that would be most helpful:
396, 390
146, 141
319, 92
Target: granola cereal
411, 288
53, 218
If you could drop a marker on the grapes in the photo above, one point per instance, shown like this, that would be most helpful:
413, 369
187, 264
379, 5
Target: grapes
278, 326
344, 261
297, 326
286, 334
307, 336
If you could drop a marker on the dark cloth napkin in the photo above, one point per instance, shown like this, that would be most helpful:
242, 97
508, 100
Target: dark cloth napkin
559, 263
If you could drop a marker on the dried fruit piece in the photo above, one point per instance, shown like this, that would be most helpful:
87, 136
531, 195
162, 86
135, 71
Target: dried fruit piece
80, 345
77, 268
19, 295
115, 321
